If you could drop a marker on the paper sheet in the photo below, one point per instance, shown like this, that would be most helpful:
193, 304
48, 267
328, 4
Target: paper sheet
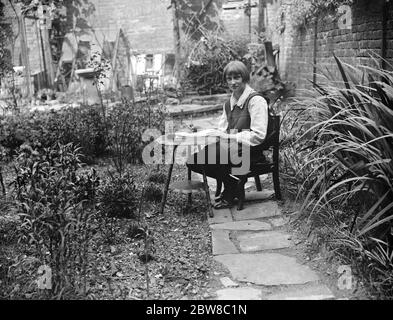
203, 133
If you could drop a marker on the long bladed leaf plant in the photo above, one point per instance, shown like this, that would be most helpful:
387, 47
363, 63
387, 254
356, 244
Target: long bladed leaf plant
349, 145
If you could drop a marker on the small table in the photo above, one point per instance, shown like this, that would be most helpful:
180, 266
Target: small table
189, 185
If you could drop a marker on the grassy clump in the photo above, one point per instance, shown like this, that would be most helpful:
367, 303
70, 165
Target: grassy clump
343, 161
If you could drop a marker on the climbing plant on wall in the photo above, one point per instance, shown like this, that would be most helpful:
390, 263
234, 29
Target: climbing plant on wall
5, 36
303, 13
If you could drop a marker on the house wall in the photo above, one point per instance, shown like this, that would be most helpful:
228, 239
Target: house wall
146, 23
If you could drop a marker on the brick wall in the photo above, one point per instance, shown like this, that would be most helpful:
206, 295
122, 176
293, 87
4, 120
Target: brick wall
350, 45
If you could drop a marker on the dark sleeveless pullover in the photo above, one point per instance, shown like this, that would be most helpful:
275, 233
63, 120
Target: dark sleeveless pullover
239, 119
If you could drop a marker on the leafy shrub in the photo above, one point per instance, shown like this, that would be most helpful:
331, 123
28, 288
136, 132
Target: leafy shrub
119, 198
86, 186
207, 59
119, 134
55, 224
83, 126
157, 177
86, 127
12, 134
153, 193
9, 222
127, 124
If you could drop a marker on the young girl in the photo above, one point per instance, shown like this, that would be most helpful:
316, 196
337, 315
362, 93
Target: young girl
242, 128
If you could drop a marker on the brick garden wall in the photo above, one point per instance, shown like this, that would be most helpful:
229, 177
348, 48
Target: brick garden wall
350, 45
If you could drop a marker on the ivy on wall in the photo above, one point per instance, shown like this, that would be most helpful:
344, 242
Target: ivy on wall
5, 36
302, 13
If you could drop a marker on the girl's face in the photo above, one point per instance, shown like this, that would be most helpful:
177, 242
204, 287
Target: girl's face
235, 83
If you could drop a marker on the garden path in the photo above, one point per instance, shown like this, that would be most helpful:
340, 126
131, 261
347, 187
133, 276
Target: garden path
259, 254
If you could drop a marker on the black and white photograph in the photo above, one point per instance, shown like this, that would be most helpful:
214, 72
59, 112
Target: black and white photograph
195, 157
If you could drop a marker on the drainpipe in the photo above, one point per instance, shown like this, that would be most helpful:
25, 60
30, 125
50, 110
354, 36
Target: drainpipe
25, 54
314, 69
249, 20
44, 60
385, 12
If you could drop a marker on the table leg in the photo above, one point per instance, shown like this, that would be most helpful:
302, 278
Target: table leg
168, 180
209, 205
189, 179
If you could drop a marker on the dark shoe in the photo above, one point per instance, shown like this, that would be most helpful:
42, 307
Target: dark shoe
223, 204
218, 198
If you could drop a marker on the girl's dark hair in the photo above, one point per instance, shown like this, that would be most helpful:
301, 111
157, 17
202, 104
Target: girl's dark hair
237, 67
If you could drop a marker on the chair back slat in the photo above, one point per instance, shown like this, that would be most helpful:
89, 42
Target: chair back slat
273, 133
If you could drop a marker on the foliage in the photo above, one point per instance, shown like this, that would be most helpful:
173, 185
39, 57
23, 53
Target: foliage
352, 140
118, 198
301, 13
372, 261
292, 157
65, 16
5, 36
266, 81
153, 193
157, 177
178, 253
127, 123
55, 220
83, 126
118, 134
343, 161
8, 222
101, 67
207, 59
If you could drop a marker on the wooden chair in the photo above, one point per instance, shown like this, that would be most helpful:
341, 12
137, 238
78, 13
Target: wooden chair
271, 142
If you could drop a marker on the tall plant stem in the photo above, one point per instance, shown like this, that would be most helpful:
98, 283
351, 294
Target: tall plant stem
146, 265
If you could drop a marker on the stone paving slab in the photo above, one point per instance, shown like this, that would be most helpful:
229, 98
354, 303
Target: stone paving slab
221, 243
221, 216
239, 294
259, 195
227, 282
249, 184
267, 240
257, 210
279, 222
270, 269
249, 225
210, 181
320, 292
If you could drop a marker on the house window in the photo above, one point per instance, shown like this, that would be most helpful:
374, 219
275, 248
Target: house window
149, 62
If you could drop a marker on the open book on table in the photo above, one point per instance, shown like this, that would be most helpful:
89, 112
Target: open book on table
202, 133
